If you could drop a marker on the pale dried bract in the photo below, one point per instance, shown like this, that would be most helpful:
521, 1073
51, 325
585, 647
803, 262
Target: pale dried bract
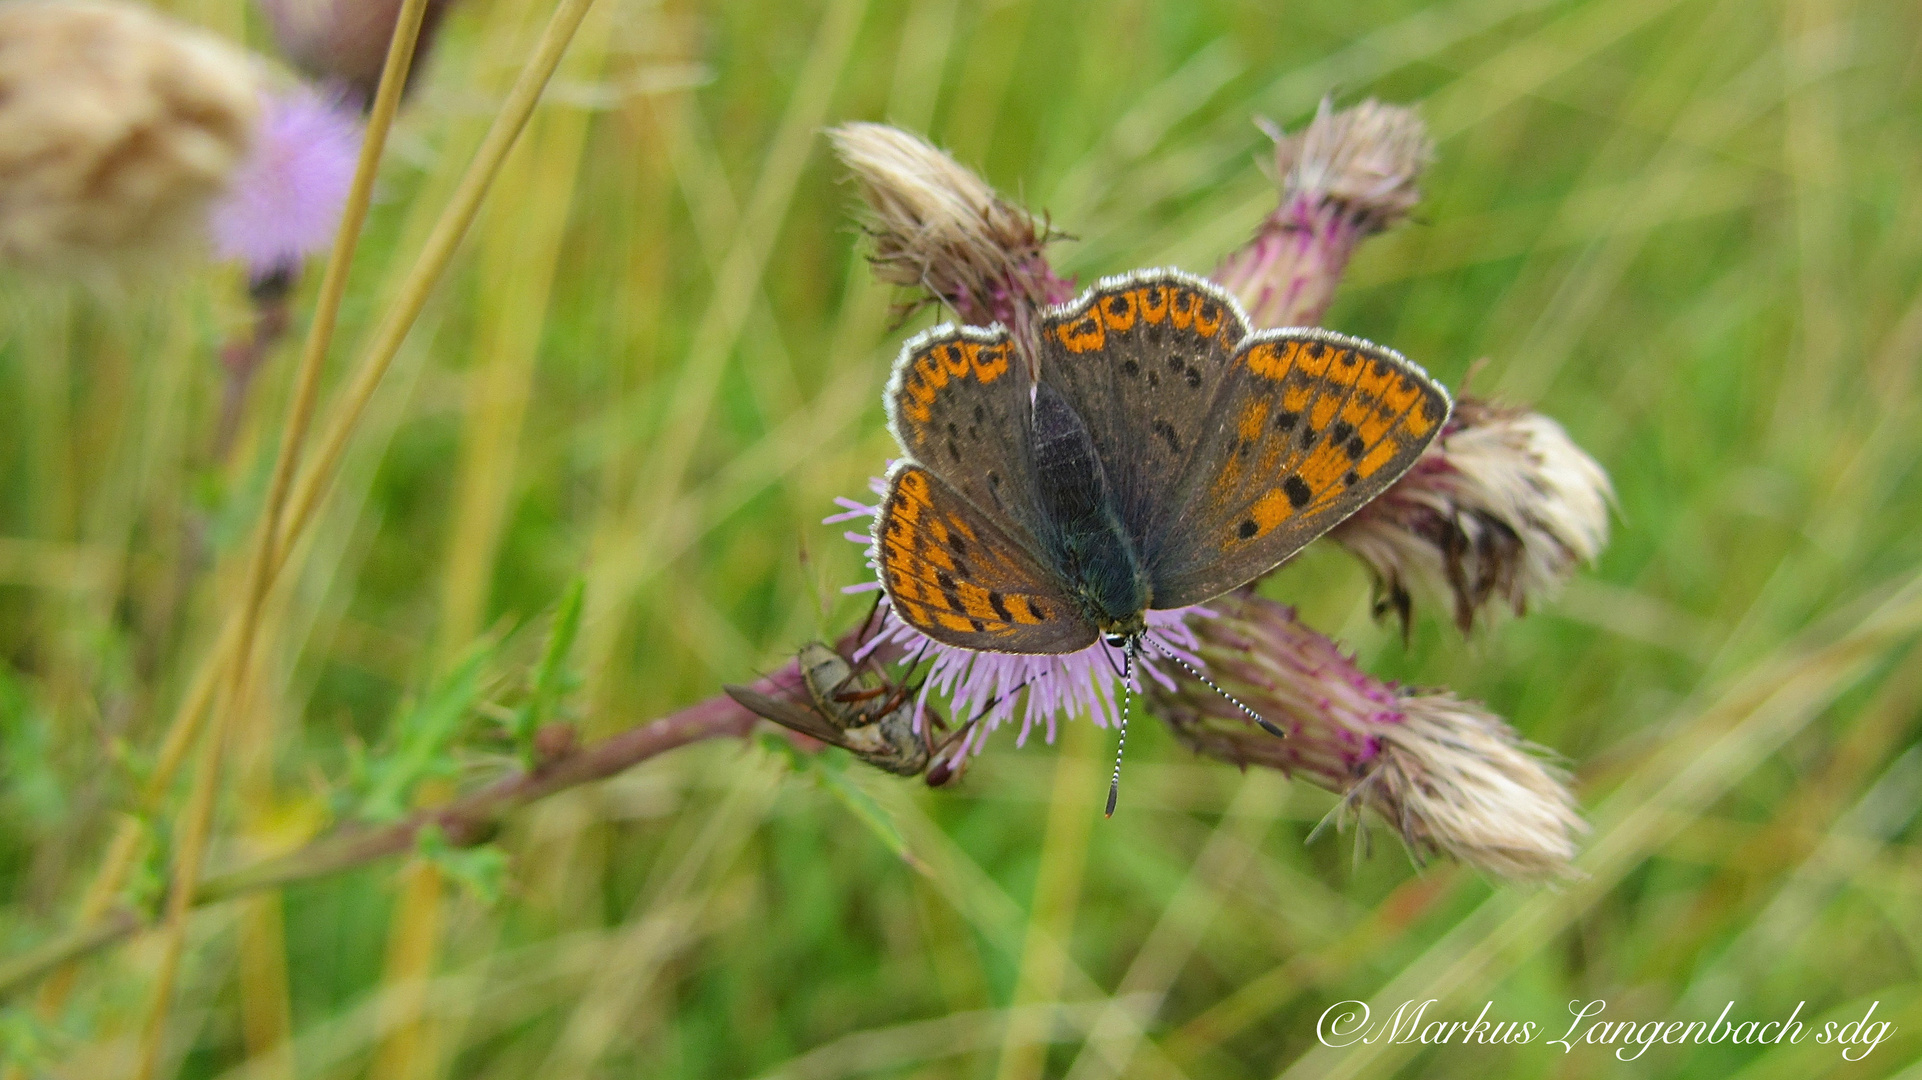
117, 128
1445, 773
1348, 176
1503, 507
939, 229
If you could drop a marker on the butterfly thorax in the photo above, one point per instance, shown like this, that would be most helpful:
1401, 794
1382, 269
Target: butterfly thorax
1088, 541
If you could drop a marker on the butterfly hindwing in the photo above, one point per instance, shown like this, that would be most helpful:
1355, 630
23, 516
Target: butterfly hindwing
957, 576
1140, 358
1308, 426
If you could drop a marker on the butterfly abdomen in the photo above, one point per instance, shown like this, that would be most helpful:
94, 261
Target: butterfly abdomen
1088, 541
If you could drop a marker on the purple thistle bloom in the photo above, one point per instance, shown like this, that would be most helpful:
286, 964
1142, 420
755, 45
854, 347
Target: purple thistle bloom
286, 198
988, 686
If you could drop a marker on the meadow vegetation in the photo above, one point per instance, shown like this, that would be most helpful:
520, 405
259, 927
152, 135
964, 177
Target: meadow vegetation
1689, 230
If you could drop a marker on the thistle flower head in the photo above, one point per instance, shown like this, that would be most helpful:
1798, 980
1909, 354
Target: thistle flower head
1503, 507
117, 128
990, 688
286, 197
1348, 176
938, 228
1445, 773
344, 42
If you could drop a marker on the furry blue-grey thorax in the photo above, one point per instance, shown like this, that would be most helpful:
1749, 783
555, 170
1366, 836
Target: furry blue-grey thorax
1089, 543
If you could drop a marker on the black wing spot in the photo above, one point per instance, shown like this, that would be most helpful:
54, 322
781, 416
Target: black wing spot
1286, 421
954, 451
1347, 358
1209, 312
1130, 369
1307, 437
1118, 306
1085, 326
976, 623
1297, 491
1341, 431
1354, 447
1247, 529
1350, 479
959, 547
1000, 606
1154, 296
1167, 432
1193, 375
1315, 349
944, 579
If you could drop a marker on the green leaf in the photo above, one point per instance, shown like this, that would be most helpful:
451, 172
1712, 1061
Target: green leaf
550, 679
422, 737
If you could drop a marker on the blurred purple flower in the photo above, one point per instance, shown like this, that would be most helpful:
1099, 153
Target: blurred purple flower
285, 200
988, 686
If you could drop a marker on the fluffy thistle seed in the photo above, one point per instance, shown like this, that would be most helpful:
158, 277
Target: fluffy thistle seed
1503, 507
1348, 176
117, 128
938, 228
1445, 773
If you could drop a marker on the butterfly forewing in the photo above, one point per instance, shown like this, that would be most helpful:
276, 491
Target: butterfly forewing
1140, 358
957, 576
958, 403
1308, 426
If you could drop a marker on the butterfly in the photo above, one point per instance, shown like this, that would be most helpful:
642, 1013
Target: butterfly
1153, 453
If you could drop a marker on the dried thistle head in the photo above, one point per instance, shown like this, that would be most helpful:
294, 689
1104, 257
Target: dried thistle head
939, 229
1503, 507
1348, 176
1364, 159
344, 42
117, 128
1445, 773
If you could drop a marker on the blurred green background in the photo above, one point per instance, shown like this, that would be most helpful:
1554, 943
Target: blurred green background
1691, 230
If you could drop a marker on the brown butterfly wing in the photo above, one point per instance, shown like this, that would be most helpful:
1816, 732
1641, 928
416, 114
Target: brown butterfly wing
1307, 428
954, 574
1141, 359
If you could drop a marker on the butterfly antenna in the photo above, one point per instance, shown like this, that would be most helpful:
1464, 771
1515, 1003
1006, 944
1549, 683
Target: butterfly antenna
1212, 685
1127, 696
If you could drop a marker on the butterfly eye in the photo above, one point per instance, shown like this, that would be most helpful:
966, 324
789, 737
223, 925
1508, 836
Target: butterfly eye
1116, 641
